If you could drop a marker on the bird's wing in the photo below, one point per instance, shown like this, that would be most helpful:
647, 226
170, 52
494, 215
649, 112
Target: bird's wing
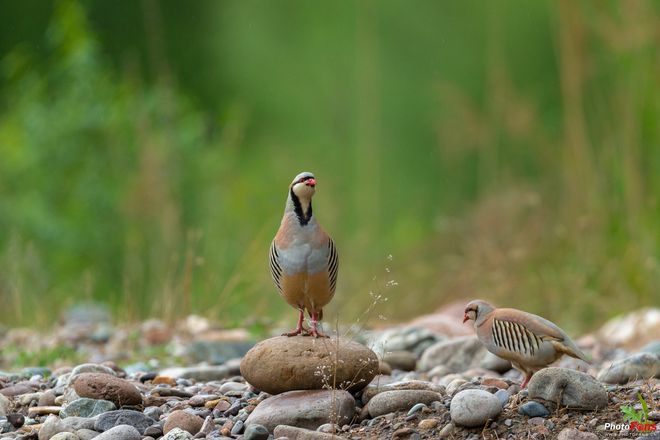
275, 266
542, 329
333, 264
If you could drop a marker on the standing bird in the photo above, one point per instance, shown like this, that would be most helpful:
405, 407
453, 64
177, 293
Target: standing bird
303, 258
528, 341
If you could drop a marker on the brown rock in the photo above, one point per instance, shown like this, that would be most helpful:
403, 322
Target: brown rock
183, 420
428, 424
494, 382
403, 433
574, 434
286, 363
16, 390
107, 387
164, 380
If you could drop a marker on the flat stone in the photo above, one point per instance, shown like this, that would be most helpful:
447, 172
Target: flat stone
16, 390
472, 408
76, 423
286, 363
637, 366
577, 390
295, 433
183, 420
107, 387
120, 432
86, 407
43, 410
111, 419
400, 400
378, 386
305, 409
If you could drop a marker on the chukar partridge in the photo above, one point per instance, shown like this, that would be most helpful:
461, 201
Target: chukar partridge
528, 341
303, 258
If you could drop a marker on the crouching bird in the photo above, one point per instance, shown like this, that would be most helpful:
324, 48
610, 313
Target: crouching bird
303, 257
528, 341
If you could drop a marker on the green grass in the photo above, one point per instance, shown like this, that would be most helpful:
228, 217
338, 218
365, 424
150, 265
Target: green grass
509, 152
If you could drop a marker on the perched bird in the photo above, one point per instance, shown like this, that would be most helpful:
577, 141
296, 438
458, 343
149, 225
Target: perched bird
528, 341
303, 257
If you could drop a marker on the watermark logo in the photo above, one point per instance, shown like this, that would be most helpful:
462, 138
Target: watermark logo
634, 420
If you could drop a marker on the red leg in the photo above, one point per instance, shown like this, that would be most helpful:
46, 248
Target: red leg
299, 328
314, 331
526, 381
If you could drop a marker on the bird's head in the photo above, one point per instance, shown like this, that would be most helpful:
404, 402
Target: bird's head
304, 185
477, 309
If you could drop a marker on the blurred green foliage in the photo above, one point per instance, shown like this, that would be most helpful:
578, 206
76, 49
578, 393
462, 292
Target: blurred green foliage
507, 150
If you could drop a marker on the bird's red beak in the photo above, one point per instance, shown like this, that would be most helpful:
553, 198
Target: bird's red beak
310, 182
465, 318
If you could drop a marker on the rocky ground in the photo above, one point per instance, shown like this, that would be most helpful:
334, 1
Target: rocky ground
428, 379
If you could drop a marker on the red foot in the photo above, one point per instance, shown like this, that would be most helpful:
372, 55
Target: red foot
299, 330
525, 382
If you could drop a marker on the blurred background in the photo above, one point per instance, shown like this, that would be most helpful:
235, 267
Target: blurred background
506, 150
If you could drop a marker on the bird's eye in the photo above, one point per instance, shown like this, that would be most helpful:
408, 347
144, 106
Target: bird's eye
301, 180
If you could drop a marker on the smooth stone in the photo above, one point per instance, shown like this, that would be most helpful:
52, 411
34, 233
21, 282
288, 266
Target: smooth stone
574, 434
16, 420
459, 355
577, 390
107, 387
89, 368
306, 409
237, 428
233, 386
296, 433
178, 434
256, 432
378, 386
86, 434
51, 426
183, 420
533, 409
120, 432
502, 396
428, 423
400, 400
86, 407
472, 408
65, 436
202, 373
286, 363
446, 431
154, 431
637, 366
135, 419
401, 360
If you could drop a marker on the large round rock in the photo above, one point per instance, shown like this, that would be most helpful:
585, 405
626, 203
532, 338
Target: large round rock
106, 387
474, 408
286, 363
305, 409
